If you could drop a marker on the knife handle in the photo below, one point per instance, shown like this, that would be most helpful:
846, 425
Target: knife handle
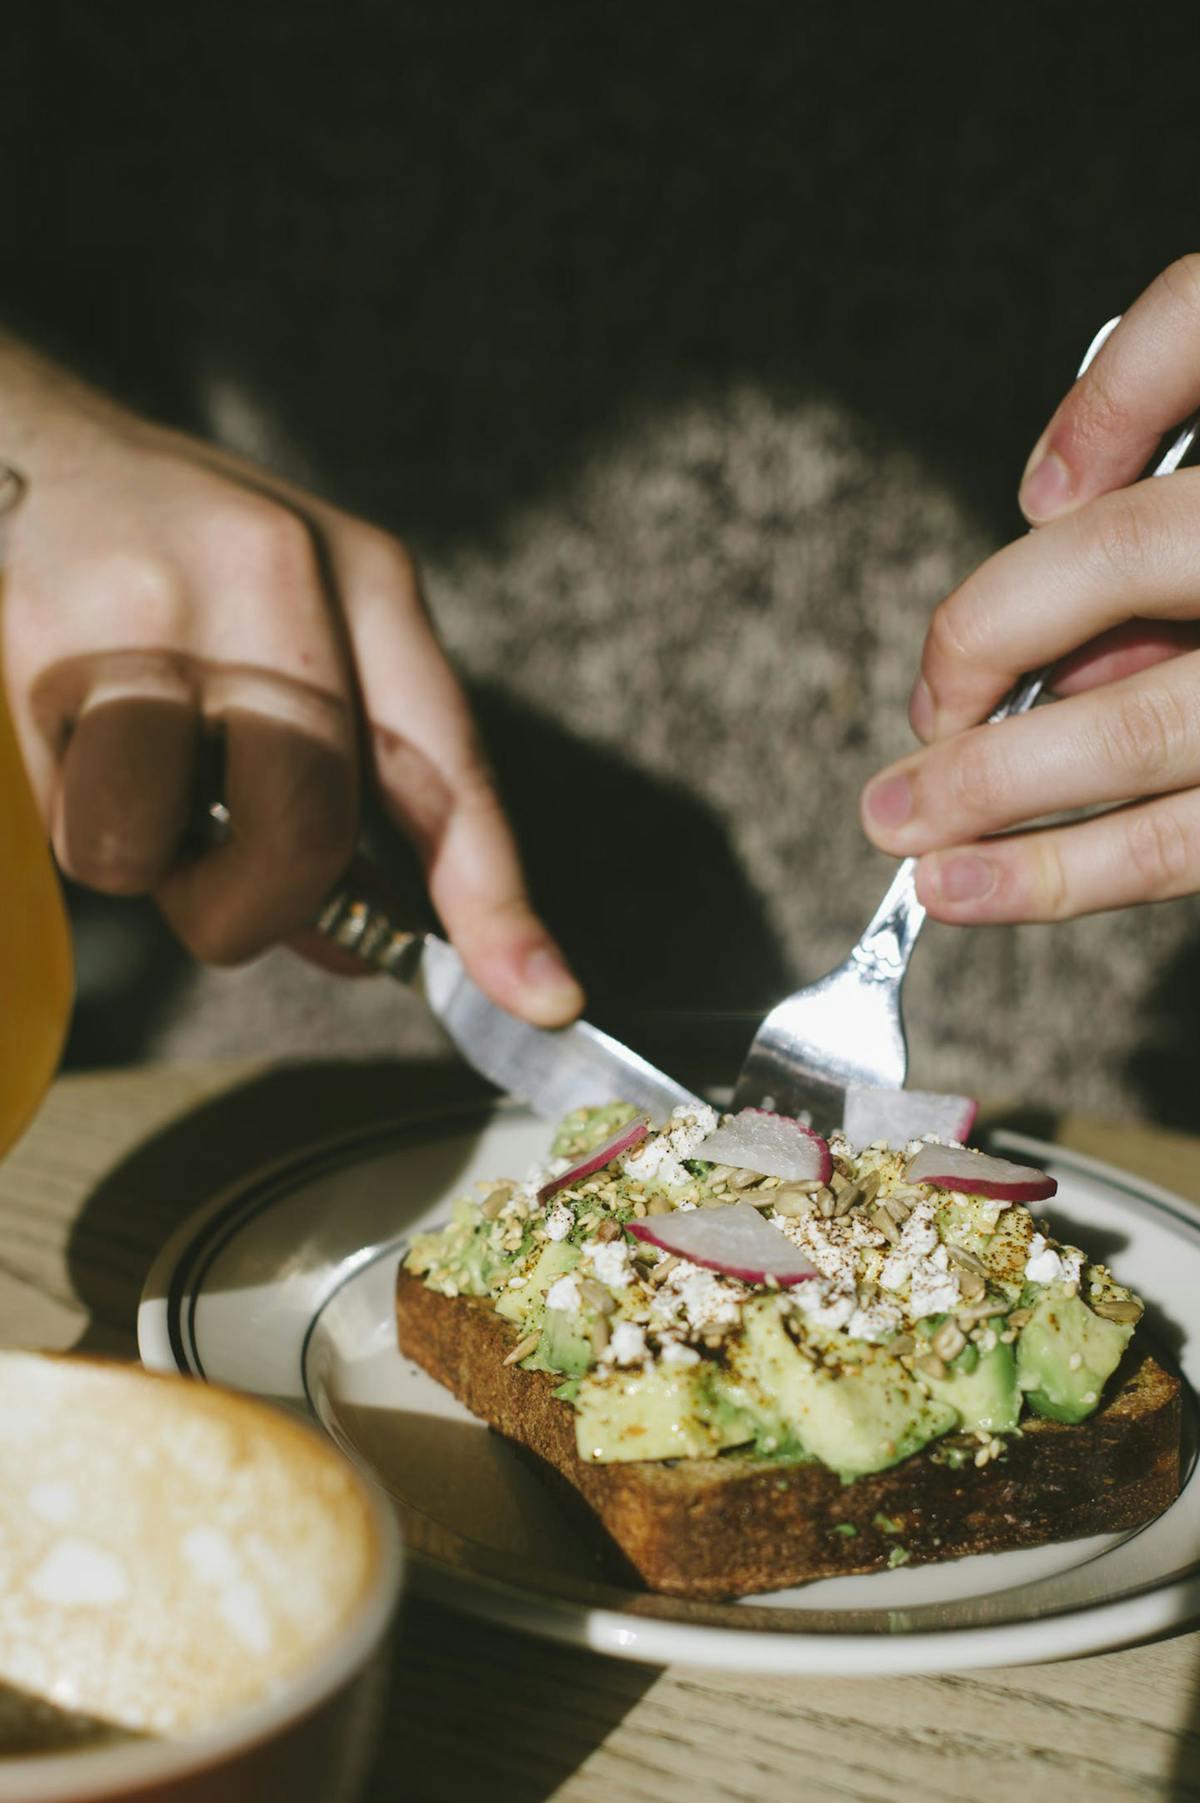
362, 919
361, 916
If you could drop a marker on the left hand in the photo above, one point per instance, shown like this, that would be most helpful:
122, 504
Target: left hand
1108, 591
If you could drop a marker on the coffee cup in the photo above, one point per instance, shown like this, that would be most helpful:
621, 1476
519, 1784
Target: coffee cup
195, 1589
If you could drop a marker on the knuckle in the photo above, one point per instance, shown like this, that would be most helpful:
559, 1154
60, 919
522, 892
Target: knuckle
1050, 878
1122, 536
1181, 280
976, 779
951, 639
144, 593
269, 545
1145, 734
1159, 849
1099, 412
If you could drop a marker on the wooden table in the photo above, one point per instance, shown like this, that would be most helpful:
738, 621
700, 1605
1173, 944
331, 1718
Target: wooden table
117, 1159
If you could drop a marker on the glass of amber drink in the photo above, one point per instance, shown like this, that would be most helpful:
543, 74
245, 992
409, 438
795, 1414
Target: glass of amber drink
36, 978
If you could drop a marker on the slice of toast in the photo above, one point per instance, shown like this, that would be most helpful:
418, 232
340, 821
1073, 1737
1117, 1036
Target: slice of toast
737, 1526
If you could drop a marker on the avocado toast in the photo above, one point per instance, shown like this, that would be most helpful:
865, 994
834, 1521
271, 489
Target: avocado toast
899, 1370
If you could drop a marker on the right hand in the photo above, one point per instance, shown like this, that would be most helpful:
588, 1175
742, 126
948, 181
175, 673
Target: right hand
1107, 590
162, 596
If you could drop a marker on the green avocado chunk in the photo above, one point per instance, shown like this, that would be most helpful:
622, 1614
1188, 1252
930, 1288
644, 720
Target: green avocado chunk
664, 1412
857, 1416
527, 1306
1065, 1356
982, 1391
565, 1345
461, 1252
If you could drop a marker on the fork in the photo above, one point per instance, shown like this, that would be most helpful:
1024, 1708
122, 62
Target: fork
848, 1028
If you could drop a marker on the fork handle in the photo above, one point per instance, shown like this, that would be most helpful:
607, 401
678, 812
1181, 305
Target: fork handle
885, 948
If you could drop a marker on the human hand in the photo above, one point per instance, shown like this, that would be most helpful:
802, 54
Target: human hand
1108, 591
163, 597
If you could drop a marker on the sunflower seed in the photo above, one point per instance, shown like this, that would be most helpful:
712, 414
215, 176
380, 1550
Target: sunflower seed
949, 1340
597, 1295
523, 1348
881, 1219
1116, 1308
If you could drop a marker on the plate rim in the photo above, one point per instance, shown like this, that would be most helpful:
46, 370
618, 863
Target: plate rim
1090, 1628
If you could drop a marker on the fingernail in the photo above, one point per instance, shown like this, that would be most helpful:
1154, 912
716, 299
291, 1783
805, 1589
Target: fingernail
965, 879
1046, 487
920, 709
890, 801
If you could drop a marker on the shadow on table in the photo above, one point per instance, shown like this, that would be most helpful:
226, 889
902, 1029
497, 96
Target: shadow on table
141, 1201
491, 1713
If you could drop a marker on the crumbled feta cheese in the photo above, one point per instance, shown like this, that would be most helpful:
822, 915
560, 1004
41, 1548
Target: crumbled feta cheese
564, 1294
1045, 1265
559, 1222
695, 1297
676, 1352
610, 1262
827, 1303
628, 1344
659, 1159
919, 1264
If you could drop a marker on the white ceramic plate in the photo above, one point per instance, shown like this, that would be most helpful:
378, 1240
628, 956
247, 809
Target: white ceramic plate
283, 1287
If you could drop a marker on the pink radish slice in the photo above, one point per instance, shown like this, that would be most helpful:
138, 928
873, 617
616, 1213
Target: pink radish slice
774, 1145
974, 1174
631, 1134
894, 1116
735, 1240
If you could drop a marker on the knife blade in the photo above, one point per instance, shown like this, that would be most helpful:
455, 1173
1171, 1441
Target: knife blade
553, 1069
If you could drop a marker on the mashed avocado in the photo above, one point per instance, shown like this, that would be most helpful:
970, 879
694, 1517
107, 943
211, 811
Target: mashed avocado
935, 1317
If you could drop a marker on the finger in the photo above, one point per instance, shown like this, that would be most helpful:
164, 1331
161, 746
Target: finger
1143, 381
1149, 851
291, 790
1124, 651
120, 732
1130, 739
1129, 554
434, 784
125, 795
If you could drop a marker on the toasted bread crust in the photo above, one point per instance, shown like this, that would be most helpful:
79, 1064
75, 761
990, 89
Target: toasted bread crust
738, 1526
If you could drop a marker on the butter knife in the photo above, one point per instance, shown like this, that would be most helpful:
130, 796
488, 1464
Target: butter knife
554, 1069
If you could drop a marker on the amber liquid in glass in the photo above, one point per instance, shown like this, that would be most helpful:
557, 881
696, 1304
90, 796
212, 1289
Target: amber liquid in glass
36, 975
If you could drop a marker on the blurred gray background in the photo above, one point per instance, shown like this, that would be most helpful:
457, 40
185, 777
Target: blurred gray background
697, 351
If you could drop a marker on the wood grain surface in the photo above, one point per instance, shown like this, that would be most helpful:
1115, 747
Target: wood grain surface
116, 1160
